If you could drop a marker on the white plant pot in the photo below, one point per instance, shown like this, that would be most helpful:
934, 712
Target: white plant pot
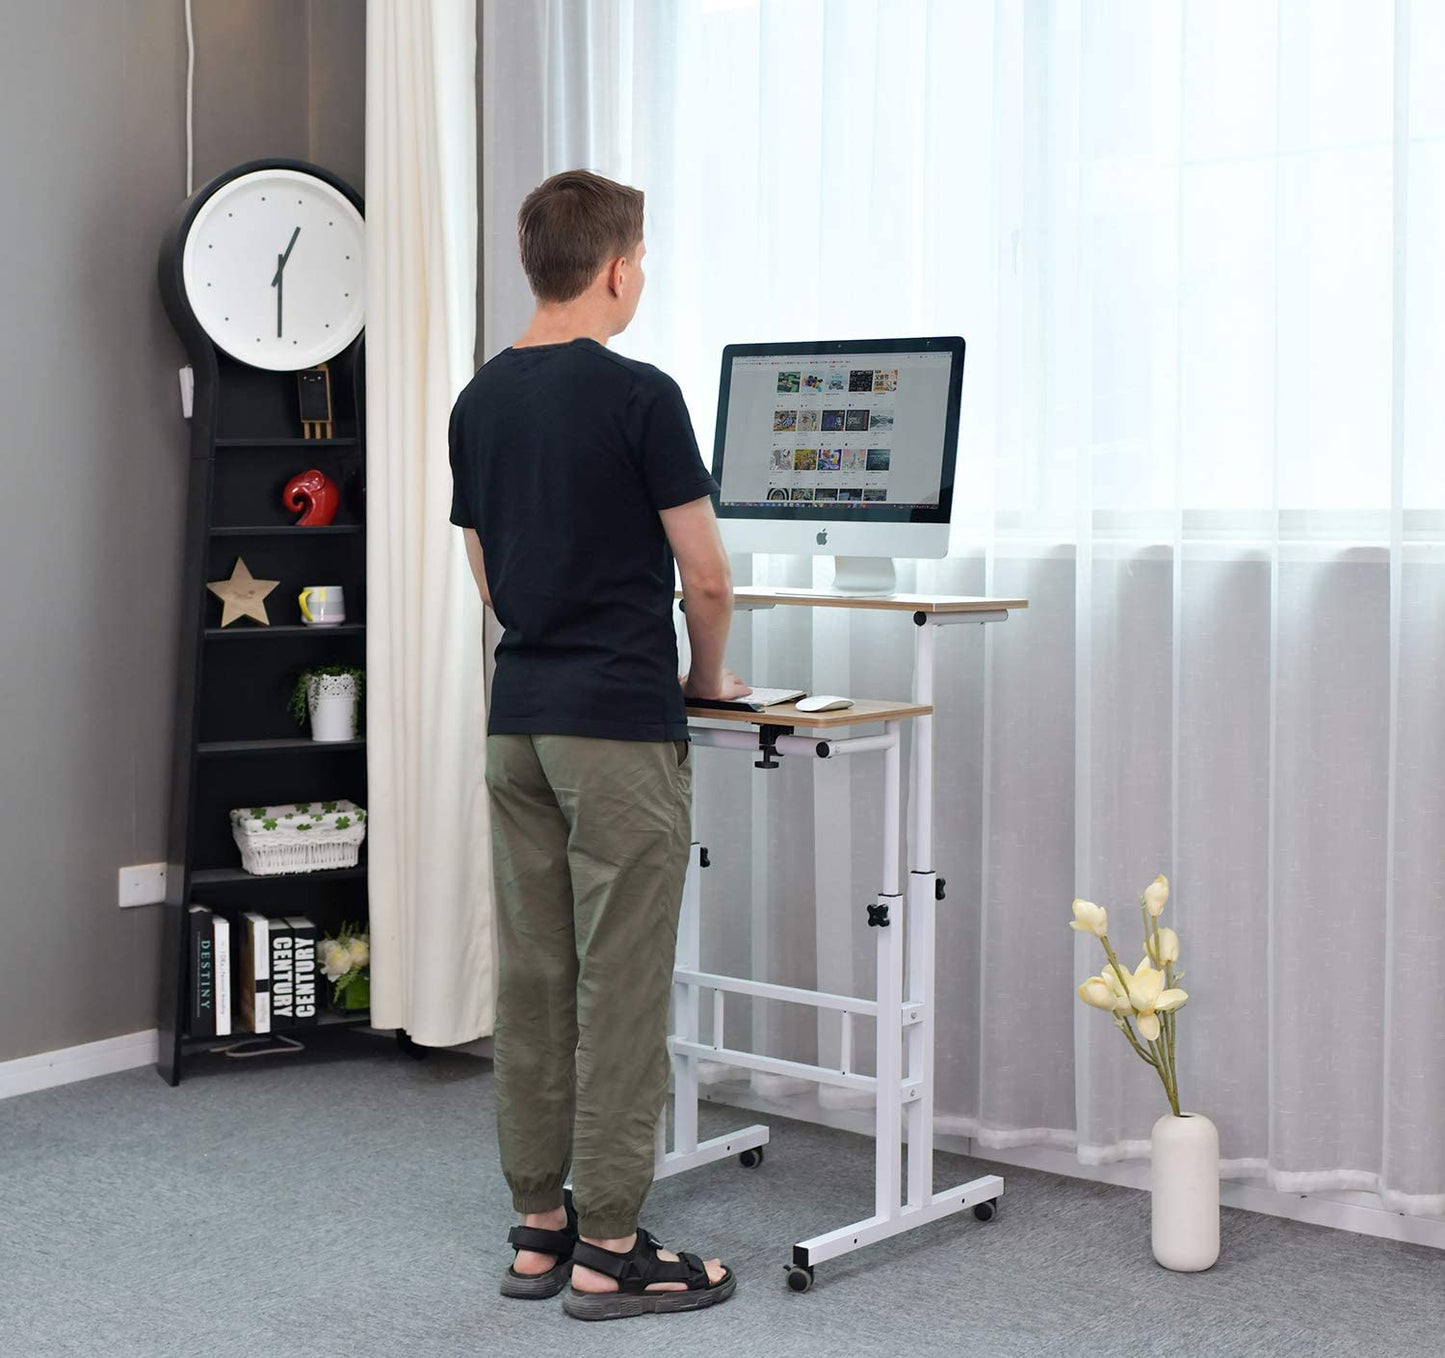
1184, 1174
331, 700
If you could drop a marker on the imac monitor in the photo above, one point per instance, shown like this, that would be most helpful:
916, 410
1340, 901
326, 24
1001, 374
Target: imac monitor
839, 447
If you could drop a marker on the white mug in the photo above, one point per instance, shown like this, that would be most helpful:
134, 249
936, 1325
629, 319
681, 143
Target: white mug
326, 606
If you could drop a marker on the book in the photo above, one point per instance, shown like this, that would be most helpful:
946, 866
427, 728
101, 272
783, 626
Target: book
282, 970
201, 952
303, 934
254, 982
221, 941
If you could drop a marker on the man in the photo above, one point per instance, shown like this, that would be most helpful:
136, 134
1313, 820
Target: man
577, 480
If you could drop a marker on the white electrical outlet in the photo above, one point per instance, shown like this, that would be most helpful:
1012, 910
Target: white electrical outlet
144, 884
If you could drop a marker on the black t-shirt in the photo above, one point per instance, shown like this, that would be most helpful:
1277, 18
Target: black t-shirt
562, 455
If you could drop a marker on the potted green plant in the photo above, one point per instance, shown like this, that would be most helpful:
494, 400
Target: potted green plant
331, 696
1184, 1147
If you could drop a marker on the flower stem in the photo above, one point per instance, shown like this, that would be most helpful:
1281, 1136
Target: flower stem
1114, 962
1158, 1047
1134, 1042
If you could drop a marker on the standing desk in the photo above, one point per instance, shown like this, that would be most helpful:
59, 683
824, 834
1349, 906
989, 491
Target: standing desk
903, 1009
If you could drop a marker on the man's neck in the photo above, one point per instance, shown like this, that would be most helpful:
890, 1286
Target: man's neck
563, 324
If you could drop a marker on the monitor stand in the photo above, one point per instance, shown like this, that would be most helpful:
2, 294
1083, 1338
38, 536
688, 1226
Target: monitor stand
864, 575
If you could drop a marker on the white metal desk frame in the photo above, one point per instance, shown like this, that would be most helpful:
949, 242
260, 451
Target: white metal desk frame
895, 1090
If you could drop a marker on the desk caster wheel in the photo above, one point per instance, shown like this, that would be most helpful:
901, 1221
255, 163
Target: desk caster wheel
986, 1211
403, 1040
751, 1159
799, 1279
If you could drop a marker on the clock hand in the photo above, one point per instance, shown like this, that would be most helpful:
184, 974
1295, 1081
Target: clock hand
281, 259
280, 264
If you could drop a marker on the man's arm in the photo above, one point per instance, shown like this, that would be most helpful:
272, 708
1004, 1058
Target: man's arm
474, 559
707, 589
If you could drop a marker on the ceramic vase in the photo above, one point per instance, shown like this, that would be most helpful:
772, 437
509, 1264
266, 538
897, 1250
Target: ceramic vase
331, 700
1184, 1176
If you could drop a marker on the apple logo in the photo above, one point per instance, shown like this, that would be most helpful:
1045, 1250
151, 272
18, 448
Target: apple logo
823, 538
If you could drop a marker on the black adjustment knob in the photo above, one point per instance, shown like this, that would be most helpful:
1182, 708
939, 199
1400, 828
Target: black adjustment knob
702, 859
938, 885
878, 916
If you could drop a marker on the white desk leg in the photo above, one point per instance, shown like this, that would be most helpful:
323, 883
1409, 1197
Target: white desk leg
687, 1152
888, 1152
922, 926
920, 1036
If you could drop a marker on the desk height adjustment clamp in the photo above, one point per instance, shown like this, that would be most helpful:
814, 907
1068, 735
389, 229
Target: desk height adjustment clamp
878, 915
938, 884
768, 744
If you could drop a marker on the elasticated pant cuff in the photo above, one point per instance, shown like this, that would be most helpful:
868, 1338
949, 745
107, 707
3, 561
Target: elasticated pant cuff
547, 1201
606, 1228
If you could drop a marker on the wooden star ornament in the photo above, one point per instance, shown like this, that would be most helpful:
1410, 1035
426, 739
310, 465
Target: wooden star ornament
243, 595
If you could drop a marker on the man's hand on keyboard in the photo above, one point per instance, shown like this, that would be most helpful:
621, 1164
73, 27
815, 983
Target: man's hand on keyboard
729, 689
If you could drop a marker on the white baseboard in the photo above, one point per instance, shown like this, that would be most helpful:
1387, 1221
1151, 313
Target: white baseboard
26, 1074
1362, 1213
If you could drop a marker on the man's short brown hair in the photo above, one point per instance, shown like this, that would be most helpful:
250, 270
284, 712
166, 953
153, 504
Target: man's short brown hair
570, 226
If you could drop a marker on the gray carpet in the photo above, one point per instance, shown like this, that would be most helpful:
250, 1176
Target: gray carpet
347, 1201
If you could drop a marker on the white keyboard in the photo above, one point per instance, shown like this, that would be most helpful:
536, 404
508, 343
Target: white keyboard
770, 697
755, 701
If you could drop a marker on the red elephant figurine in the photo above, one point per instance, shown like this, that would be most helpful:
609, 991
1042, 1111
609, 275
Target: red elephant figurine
317, 492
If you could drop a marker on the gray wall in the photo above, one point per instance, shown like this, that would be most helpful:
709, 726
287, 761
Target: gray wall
92, 164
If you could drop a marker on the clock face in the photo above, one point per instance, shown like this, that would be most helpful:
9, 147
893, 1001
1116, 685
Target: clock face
273, 267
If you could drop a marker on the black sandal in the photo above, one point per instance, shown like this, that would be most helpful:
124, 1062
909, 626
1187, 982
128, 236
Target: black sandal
540, 1286
635, 1271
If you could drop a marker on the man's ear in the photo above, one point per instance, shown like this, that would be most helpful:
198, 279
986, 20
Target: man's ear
614, 275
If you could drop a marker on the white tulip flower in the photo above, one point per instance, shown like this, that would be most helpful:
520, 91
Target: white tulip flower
1097, 992
1150, 999
1164, 950
335, 960
1090, 919
1156, 895
1120, 990
360, 952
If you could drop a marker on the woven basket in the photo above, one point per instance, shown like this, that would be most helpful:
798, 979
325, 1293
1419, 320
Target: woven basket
298, 836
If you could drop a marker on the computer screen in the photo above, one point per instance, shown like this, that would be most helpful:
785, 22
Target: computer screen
839, 429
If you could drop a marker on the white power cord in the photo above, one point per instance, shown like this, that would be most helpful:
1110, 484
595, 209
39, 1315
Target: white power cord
190, 92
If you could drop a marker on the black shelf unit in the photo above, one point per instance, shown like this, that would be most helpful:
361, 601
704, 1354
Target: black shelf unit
327, 1020
236, 743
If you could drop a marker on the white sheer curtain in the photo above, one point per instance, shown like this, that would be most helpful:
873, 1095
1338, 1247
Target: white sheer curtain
428, 845
1198, 252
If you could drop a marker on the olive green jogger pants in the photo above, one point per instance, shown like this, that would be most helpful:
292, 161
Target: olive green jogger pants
590, 845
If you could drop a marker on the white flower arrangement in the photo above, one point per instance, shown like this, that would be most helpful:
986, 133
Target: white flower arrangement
346, 962
1146, 996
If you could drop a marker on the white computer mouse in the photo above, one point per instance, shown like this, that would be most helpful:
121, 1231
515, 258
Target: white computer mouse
823, 702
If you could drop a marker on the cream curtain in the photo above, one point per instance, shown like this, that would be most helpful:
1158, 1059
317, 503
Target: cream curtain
1198, 252
430, 873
